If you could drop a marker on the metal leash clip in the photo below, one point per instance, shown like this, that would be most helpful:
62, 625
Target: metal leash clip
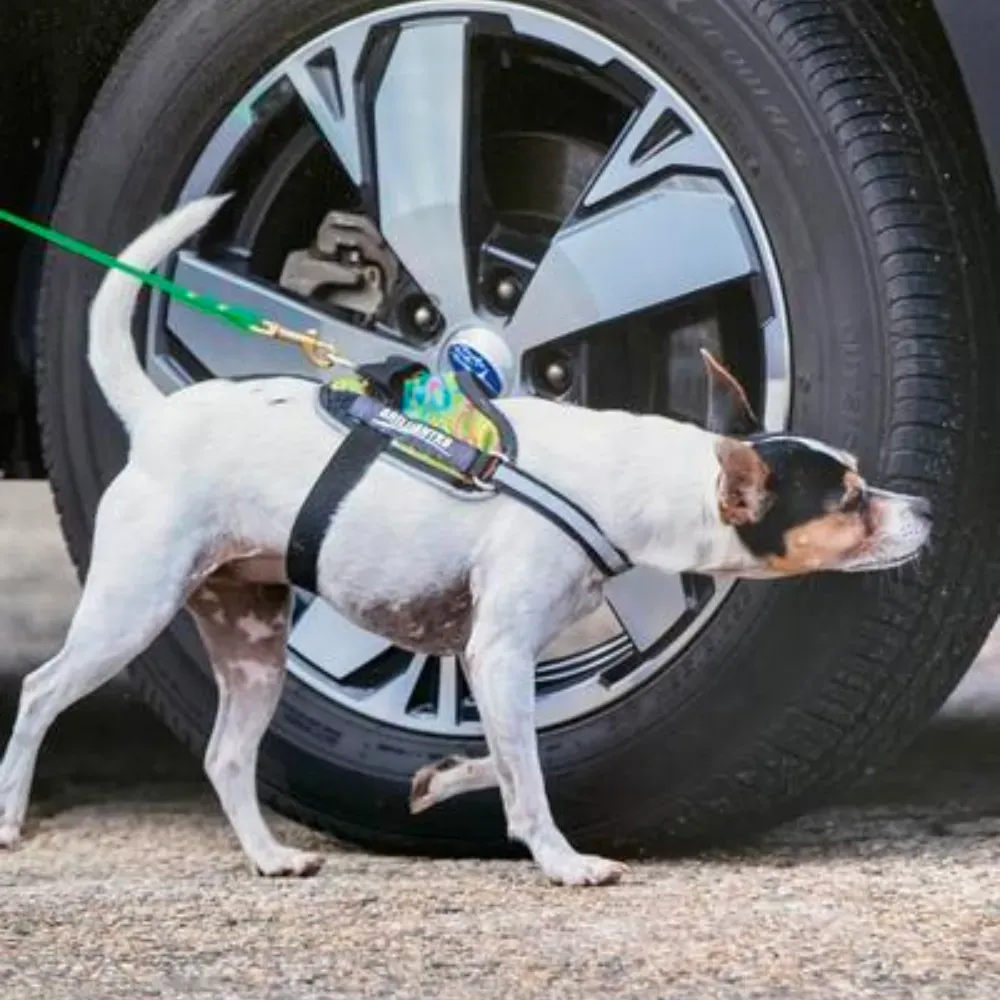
318, 351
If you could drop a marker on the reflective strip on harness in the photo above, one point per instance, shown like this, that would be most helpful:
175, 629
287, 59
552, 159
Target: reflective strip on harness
565, 514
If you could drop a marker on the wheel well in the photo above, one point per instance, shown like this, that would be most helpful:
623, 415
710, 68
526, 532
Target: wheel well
47, 84
970, 31
46, 88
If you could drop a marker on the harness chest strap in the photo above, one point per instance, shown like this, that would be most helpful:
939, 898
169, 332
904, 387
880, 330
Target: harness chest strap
373, 429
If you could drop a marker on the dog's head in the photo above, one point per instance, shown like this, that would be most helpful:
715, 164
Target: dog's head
800, 506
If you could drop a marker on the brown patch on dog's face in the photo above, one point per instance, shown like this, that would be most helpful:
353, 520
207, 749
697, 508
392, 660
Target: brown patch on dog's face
742, 491
821, 543
437, 623
845, 532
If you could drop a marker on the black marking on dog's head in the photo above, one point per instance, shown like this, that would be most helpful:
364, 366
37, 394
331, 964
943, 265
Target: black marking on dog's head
815, 508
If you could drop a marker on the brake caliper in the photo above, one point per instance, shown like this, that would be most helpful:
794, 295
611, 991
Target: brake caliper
348, 265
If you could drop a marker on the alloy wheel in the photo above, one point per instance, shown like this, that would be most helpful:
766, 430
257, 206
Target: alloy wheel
437, 176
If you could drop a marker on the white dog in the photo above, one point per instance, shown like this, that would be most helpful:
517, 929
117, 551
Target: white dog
217, 473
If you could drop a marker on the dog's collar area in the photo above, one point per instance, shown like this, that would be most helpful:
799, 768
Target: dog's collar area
379, 428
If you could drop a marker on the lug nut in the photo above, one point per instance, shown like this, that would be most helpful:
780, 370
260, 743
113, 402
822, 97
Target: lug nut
507, 290
557, 376
423, 317
502, 290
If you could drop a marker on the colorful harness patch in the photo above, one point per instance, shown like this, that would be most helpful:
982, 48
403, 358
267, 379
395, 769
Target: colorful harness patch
437, 400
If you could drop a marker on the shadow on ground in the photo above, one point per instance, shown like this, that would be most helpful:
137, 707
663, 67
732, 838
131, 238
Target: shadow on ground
107, 747
110, 749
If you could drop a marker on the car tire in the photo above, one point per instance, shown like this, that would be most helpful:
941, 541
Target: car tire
862, 159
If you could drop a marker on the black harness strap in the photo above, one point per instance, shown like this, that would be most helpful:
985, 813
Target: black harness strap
352, 459
387, 379
360, 448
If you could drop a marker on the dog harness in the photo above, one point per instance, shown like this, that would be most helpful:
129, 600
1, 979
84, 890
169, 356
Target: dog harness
442, 428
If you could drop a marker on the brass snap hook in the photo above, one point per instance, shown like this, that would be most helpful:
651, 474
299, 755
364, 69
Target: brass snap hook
319, 353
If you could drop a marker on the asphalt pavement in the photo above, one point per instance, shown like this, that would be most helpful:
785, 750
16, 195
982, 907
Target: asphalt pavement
130, 884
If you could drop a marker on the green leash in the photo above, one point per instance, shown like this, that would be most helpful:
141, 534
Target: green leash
245, 321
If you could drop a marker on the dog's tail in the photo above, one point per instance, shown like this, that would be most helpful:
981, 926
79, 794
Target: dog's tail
130, 392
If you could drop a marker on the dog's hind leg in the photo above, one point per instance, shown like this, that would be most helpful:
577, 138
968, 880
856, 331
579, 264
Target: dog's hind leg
139, 573
244, 628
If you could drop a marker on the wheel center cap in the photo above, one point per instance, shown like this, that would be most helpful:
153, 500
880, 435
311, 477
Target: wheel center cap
482, 353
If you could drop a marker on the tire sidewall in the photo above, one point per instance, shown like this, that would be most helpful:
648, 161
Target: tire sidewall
659, 744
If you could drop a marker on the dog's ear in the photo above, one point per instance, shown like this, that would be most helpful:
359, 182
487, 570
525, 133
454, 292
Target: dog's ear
743, 494
729, 410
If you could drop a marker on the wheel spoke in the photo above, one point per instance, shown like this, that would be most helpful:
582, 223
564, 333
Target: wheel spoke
391, 700
663, 245
419, 116
777, 393
647, 603
656, 141
322, 636
219, 151
213, 344
324, 82
448, 690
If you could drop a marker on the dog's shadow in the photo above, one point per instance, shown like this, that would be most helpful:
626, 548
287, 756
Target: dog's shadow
109, 748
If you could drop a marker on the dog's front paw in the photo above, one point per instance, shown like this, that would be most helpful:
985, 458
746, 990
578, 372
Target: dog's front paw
426, 788
583, 869
10, 836
289, 862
